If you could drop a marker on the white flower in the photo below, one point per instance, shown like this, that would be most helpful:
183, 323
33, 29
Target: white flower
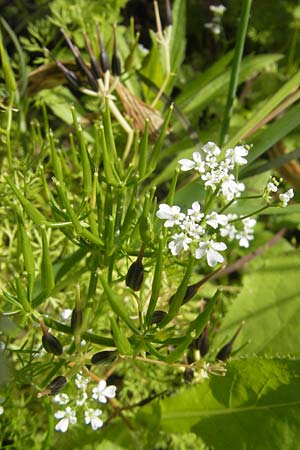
235, 155
82, 400
102, 392
271, 187
1, 410
67, 417
62, 399
91, 416
192, 228
197, 163
66, 314
228, 231
230, 188
218, 9
214, 27
195, 212
214, 219
81, 381
211, 149
286, 197
180, 242
211, 250
171, 214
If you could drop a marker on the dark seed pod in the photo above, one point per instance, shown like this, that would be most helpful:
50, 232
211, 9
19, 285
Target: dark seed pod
169, 18
51, 344
202, 343
188, 375
103, 358
135, 275
80, 62
193, 288
94, 64
225, 351
76, 319
56, 385
104, 61
116, 62
71, 77
158, 316
116, 65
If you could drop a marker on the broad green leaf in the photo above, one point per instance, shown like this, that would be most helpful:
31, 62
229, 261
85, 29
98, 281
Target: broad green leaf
256, 406
59, 101
273, 133
201, 96
268, 106
178, 39
115, 436
154, 67
269, 303
193, 86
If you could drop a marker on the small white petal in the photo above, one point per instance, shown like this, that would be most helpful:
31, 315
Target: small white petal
59, 414
62, 425
110, 391
186, 164
213, 257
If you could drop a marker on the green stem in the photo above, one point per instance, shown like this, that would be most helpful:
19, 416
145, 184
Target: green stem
236, 63
250, 215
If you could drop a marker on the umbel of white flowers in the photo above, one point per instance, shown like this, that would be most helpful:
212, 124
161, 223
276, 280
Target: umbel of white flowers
83, 403
203, 234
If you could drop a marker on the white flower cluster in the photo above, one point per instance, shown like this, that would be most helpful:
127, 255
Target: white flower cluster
68, 416
203, 234
200, 233
272, 187
216, 174
216, 24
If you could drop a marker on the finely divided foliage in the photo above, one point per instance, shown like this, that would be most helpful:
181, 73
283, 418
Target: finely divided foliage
133, 297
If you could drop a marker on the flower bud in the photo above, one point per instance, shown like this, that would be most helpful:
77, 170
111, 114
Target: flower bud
158, 316
225, 351
104, 357
135, 275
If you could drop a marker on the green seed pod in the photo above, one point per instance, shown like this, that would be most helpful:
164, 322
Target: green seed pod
51, 344
103, 358
135, 275
56, 385
158, 316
